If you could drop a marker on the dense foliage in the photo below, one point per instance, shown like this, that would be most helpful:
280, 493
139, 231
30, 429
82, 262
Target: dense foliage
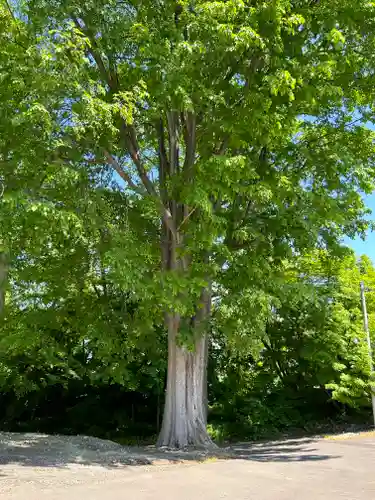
309, 370
313, 367
176, 175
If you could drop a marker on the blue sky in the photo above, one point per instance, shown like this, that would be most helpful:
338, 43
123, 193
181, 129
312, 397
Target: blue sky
368, 246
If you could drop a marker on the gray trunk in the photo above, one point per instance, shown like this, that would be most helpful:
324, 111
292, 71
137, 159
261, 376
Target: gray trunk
185, 415
185, 412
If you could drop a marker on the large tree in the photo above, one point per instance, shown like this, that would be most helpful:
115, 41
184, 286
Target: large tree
234, 125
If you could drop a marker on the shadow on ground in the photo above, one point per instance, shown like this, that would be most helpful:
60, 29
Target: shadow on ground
40, 450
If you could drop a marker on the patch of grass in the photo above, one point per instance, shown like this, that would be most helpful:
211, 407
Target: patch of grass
209, 460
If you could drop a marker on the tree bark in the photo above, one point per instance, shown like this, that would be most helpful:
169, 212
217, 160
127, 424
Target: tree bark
185, 416
185, 412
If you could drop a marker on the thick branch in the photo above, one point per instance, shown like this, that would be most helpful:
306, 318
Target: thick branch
129, 136
163, 161
173, 125
166, 244
121, 172
190, 142
187, 216
104, 72
130, 141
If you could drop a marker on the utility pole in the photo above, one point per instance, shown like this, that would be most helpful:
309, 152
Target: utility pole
367, 331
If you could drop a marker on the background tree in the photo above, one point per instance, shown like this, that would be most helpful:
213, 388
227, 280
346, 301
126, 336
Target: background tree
312, 366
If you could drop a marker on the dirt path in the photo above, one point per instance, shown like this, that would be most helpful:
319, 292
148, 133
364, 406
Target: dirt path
59, 468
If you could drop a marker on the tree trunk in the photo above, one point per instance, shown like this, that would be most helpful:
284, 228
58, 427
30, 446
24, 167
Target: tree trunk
185, 412
185, 416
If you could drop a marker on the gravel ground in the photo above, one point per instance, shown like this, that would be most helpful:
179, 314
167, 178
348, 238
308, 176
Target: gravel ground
41, 462
45, 450
42, 467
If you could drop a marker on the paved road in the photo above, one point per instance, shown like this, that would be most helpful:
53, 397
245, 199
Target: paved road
287, 470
